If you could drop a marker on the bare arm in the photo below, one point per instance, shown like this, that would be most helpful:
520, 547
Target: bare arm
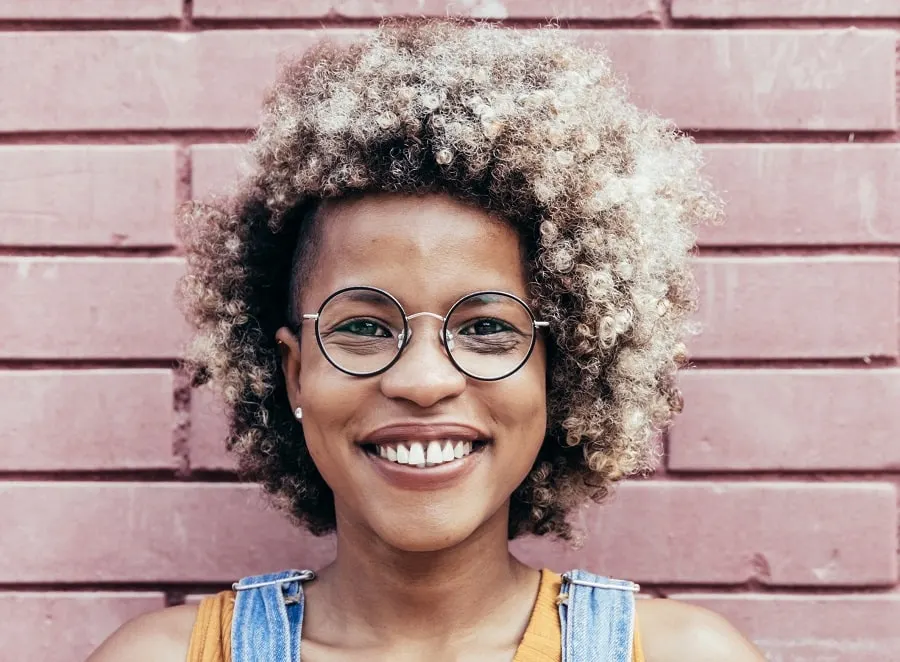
157, 636
673, 631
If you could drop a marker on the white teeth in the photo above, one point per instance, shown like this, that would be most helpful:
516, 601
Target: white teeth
417, 454
428, 454
433, 454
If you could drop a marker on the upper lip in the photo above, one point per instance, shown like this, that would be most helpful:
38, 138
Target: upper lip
417, 431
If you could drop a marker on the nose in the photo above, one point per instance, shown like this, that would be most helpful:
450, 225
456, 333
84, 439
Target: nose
424, 373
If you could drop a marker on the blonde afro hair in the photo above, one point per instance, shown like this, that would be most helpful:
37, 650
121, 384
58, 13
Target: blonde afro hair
528, 126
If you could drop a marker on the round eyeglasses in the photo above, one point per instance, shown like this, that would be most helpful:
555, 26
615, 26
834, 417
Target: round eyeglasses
487, 335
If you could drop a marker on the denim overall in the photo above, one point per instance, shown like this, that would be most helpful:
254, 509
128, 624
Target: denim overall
596, 615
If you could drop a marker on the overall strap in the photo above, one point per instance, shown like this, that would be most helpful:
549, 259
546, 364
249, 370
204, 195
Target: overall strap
268, 616
596, 615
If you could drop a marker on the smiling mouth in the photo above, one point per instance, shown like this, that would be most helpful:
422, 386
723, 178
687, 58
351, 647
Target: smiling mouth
425, 454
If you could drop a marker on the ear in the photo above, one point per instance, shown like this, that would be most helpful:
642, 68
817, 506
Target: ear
289, 348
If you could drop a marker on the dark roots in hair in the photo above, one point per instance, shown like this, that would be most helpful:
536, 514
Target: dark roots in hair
531, 128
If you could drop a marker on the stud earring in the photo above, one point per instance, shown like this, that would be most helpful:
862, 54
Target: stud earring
298, 413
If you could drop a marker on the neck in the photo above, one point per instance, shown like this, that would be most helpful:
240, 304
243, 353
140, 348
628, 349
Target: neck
380, 591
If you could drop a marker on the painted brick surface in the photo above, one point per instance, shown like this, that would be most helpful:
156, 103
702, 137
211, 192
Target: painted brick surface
619, 9
90, 9
809, 195
94, 86
840, 80
181, 86
807, 308
776, 533
780, 9
66, 308
778, 503
61, 627
804, 628
765, 80
157, 532
209, 429
87, 195
67, 420
215, 168
798, 420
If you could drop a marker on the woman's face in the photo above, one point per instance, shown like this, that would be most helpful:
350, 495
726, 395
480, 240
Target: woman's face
427, 251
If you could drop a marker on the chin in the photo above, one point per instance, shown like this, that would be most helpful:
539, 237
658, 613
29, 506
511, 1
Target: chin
427, 534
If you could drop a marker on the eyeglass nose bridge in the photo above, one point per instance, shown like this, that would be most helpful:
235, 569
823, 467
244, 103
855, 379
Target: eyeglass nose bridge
403, 339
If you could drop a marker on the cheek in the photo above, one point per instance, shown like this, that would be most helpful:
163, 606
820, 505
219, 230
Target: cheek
521, 408
329, 399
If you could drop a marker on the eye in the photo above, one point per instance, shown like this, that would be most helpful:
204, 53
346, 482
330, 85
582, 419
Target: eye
363, 327
485, 327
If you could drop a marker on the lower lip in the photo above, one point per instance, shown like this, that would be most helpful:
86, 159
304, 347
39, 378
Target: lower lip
408, 477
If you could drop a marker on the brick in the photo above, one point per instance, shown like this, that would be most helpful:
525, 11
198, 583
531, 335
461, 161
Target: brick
59, 420
87, 195
805, 628
739, 79
807, 420
91, 77
579, 9
252, 58
266, 9
779, 195
90, 9
146, 532
60, 627
778, 533
209, 429
760, 79
786, 307
56, 308
707, 9
215, 168
181, 85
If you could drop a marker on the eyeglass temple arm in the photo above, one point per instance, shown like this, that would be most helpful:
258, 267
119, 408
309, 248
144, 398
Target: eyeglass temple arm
541, 324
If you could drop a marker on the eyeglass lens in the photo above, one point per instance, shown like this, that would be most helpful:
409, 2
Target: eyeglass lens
488, 335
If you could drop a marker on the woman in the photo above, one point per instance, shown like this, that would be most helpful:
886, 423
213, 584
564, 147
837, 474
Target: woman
444, 310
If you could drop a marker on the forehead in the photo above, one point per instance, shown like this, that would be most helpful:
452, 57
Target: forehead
426, 250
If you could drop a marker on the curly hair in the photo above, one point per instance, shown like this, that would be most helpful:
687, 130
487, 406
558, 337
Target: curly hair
530, 127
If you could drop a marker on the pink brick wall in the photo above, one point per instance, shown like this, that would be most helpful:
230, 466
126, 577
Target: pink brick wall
777, 504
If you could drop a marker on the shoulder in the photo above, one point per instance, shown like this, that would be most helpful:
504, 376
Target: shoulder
672, 631
157, 636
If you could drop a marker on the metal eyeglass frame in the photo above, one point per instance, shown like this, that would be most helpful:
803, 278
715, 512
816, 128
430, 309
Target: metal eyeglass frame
406, 336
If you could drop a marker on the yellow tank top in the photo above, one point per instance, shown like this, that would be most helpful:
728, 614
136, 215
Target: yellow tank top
211, 636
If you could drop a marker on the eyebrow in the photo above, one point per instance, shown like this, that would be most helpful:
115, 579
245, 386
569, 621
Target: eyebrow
366, 296
369, 296
485, 298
